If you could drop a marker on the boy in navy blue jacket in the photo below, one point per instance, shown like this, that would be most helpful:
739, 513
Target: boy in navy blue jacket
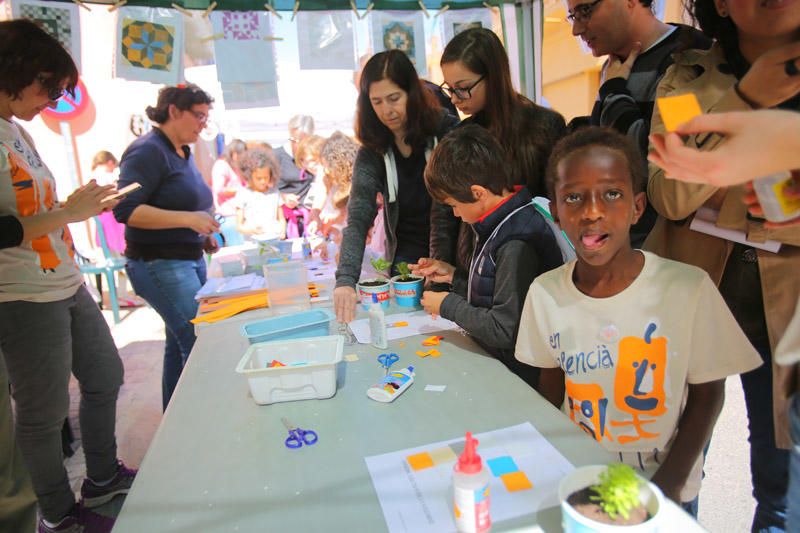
514, 243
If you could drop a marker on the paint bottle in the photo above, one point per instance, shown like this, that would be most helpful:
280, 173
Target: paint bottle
771, 195
471, 491
377, 324
393, 385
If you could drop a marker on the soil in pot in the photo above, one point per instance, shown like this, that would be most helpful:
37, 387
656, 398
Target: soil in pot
581, 502
373, 283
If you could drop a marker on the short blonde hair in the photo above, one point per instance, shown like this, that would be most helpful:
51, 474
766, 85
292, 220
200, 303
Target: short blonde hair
310, 146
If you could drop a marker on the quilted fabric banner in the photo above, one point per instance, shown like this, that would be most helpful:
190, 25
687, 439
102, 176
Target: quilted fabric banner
456, 21
59, 19
400, 30
149, 45
326, 40
243, 55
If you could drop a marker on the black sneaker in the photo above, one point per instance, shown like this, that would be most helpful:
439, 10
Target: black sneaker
94, 495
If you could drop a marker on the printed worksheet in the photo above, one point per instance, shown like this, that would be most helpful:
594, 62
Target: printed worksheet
401, 325
414, 486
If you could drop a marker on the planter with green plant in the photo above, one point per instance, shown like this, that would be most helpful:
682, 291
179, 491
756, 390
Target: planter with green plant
378, 285
609, 499
407, 287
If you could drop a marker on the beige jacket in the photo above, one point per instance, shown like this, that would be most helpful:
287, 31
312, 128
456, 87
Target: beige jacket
699, 72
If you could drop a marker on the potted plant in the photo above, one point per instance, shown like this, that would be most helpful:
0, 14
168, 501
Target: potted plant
378, 285
608, 499
407, 287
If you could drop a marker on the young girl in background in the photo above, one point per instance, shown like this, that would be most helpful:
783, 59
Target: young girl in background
257, 210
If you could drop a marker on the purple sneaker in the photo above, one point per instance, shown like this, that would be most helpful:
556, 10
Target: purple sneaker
94, 495
79, 520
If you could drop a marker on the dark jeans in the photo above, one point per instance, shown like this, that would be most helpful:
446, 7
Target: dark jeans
43, 343
793, 512
769, 465
169, 286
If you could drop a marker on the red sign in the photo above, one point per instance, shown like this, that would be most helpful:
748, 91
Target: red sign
69, 108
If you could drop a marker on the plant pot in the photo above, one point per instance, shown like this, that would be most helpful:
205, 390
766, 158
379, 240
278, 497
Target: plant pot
408, 293
574, 522
367, 287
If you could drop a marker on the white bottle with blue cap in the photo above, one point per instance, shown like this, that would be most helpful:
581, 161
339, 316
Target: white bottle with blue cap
377, 324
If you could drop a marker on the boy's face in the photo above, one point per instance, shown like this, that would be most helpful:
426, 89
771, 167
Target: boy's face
469, 212
261, 179
595, 204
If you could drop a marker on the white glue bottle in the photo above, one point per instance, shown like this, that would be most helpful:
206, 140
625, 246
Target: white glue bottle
471, 491
377, 324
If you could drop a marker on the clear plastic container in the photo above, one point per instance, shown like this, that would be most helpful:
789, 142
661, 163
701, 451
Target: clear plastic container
314, 323
287, 284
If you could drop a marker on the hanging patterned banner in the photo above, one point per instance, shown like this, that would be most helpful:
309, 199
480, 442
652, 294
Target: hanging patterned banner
243, 53
198, 50
326, 40
400, 30
456, 21
149, 45
59, 19
250, 95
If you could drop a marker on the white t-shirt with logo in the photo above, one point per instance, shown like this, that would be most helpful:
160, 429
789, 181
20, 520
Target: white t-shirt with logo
628, 359
42, 270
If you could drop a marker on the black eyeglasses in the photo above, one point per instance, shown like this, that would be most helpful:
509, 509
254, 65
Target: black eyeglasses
462, 93
53, 93
582, 12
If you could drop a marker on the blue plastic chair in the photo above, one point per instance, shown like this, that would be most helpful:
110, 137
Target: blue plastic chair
106, 267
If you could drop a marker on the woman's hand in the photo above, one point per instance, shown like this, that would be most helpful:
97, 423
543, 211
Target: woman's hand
754, 207
767, 84
211, 244
88, 201
432, 302
433, 270
344, 302
201, 222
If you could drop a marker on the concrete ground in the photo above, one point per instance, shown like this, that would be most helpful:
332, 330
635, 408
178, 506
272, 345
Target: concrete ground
726, 504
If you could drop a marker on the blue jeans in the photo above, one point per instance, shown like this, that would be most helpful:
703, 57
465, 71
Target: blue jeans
793, 511
169, 286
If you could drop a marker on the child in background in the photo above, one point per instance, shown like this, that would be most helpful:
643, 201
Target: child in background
514, 243
257, 206
307, 156
634, 348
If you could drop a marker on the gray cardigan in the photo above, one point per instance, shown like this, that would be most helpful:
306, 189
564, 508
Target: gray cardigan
369, 179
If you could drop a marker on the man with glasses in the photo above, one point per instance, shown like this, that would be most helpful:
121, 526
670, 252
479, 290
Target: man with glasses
639, 49
295, 182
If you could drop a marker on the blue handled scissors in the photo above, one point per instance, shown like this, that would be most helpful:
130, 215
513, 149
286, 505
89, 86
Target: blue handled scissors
297, 437
387, 360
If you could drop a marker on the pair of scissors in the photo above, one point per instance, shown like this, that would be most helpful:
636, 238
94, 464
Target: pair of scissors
387, 360
297, 437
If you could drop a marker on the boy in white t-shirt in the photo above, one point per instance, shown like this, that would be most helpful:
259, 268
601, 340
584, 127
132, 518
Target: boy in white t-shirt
634, 348
257, 205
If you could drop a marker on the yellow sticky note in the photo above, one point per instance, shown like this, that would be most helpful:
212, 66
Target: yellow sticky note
433, 352
351, 357
675, 110
516, 481
443, 455
398, 324
420, 461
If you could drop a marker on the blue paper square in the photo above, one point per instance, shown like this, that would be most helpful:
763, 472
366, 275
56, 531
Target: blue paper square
502, 465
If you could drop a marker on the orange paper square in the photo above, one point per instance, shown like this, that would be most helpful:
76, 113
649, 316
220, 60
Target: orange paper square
420, 461
516, 481
675, 110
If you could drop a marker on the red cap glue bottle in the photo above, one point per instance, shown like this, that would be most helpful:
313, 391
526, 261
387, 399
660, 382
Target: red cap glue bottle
471, 491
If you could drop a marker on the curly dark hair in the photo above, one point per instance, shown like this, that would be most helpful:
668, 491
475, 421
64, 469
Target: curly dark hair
467, 156
723, 29
256, 158
422, 109
181, 96
591, 136
26, 52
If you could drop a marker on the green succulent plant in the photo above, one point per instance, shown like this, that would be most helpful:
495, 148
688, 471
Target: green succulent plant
618, 490
404, 270
380, 265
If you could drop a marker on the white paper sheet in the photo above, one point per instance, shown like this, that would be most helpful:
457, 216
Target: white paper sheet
59, 19
326, 40
456, 21
419, 323
400, 30
149, 45
242, 54
421, 501
704, 222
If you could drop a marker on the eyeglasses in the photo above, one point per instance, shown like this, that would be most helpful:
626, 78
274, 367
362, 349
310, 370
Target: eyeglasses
53, 93
582, 12
202, 118
462, 93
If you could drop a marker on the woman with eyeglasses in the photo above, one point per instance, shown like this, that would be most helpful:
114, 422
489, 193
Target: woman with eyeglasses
50, 327
398, 123
478, 80
169, 221
752, 64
